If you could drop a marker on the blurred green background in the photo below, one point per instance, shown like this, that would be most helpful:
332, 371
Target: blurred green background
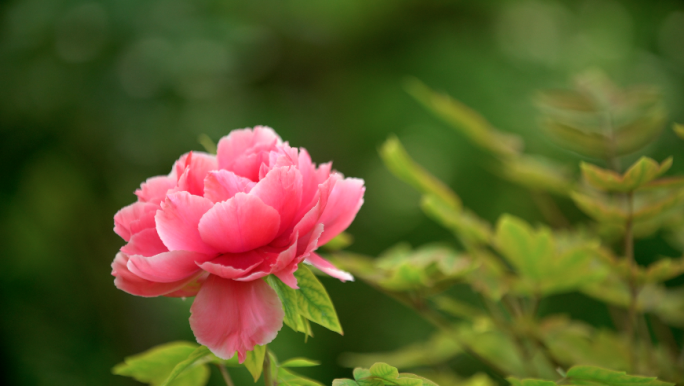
96, 96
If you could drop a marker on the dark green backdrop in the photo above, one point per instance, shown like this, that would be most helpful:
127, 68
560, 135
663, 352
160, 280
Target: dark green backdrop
96, 96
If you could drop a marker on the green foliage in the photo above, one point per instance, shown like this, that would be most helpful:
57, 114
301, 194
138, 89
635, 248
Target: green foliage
254, 361
594, 376
400, 163
380, 374
163, 365
545, 265
516, 266
280, 374
313, 301
643, 171
466, 120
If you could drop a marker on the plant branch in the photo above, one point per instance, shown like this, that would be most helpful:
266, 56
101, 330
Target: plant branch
633, 289
268, 377
225, 375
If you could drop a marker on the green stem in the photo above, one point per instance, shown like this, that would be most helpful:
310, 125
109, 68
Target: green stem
438, 321
225, 375
633, 289
268, 377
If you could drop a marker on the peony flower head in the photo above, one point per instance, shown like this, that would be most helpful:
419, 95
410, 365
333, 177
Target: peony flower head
216, 225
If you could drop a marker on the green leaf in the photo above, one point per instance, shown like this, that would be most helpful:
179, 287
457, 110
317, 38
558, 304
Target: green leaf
199, 353
300, 362
404, 377
466, 120
406, 169
663, 270
596, 376
288, 378
313, 301
383, 370
289, 299
529, 382
254, 361
640, 173
207, 143
678, 128
341, 241
538, 174
463, 223
523, 247
154, 365
344, 382
599, 208
360, 373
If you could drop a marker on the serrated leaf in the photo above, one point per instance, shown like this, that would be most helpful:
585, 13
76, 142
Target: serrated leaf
313, 301
344, 382
199, 353
596, 376
288, 297
288, 378
154, 366
679, 130
254, 361
641, 172
406, 169
383, 370
466, 120
300, 362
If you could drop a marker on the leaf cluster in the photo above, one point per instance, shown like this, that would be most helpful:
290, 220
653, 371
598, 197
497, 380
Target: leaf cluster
513, 265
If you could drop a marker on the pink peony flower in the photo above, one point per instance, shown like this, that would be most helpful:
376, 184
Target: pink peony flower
216, 225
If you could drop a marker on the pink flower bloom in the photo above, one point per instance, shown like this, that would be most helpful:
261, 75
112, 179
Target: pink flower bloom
216, 225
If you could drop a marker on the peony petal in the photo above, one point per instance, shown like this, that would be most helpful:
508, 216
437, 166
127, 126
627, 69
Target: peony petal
239, 142
145, 243
240, 224
232, 266
125, 280
155, 188
221, 185
178, 219
311, 218
167, 267
344, 202
281, 189
327, 267
197, 167
229, 316
304, 246
133, 218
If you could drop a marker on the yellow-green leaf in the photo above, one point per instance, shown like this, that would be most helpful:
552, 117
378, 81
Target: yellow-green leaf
313, 301
156, 364
254, 361
641, 172
596, 376
679, 130
466, 120
406, 169
341, 241
463, 223
199, 353
288, 297
300, 362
